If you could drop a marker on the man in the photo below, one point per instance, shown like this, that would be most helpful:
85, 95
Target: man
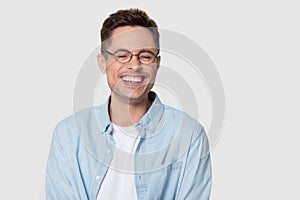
133, 146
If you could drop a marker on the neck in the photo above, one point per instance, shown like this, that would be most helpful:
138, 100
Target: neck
126, 113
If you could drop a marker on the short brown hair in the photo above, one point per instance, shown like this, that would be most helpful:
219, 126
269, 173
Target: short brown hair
129, 17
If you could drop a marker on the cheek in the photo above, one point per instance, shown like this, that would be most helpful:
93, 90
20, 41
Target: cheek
111, 76
153, 74
112, 71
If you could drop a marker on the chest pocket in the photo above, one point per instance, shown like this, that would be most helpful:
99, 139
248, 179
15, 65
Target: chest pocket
176, 166
163, 184
169, 180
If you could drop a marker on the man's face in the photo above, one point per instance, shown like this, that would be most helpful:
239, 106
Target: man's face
131, 81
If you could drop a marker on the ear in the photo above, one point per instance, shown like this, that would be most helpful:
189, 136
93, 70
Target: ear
158, 61
102, 63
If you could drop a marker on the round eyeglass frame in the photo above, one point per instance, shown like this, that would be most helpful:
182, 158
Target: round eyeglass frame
131, 55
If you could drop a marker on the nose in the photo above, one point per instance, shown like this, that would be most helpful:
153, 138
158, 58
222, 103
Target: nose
134, 63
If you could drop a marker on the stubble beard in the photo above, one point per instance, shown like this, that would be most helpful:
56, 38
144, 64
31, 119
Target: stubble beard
129, 99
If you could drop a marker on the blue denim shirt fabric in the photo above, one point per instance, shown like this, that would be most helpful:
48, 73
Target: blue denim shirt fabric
172, 159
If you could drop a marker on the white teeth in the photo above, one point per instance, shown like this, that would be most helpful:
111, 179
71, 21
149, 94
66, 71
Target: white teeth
135, 79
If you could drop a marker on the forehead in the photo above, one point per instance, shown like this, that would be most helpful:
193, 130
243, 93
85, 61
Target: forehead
131, 38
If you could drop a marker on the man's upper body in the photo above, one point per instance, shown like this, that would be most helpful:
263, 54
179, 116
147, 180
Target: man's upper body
171, 159
168, 157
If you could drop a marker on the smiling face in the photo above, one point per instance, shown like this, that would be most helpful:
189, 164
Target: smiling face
130, 82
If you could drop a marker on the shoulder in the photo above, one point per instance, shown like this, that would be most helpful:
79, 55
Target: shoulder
181, 118
69, 128
190, 129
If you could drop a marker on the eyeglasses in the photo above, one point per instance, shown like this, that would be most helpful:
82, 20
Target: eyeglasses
145, 57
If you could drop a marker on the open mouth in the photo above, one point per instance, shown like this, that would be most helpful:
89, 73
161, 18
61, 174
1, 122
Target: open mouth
132, 79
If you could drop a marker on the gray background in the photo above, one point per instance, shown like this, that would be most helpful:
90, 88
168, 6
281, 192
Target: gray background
255, 46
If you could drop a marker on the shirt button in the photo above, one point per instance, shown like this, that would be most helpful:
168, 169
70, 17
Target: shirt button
98, 178
108, 151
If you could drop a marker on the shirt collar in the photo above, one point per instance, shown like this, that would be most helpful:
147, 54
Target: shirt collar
148, 123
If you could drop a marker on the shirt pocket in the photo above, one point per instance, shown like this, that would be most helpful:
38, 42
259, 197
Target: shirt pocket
170, 179
173, 167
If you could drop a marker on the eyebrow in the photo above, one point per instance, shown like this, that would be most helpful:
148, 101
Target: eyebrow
140, 50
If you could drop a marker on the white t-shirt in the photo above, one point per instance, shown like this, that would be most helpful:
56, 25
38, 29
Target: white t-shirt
119, 183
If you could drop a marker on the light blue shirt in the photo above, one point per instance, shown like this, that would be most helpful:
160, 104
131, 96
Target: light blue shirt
171, 161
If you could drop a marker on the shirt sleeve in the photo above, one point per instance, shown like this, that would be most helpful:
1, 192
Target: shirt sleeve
58, 185
196, 183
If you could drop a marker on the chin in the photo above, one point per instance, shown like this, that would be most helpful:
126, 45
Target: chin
135, 98
138, 98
